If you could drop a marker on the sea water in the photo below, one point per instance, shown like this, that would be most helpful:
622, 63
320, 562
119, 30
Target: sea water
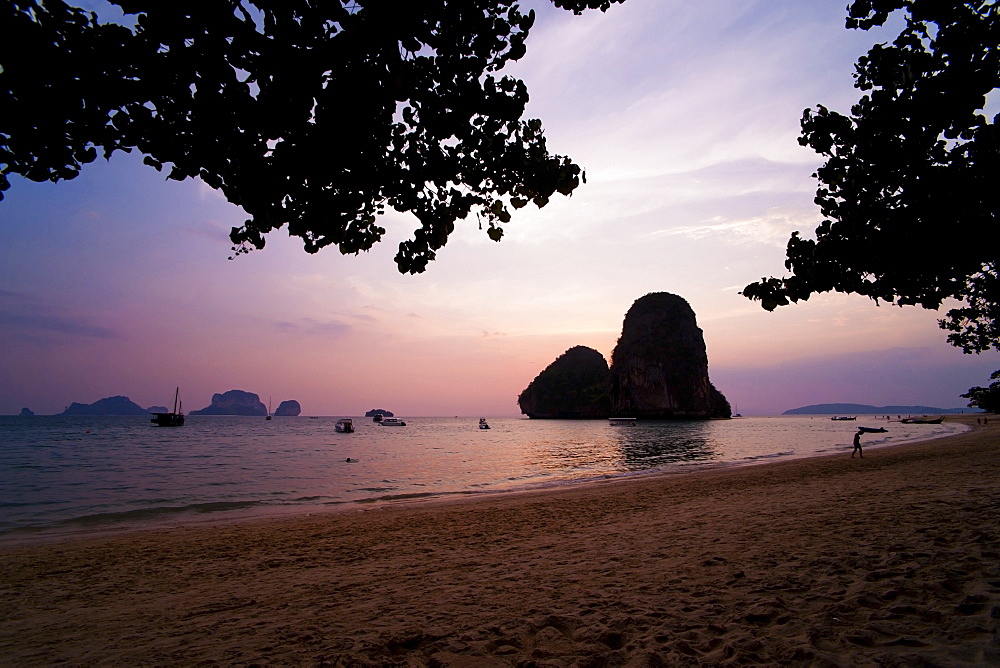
79, 474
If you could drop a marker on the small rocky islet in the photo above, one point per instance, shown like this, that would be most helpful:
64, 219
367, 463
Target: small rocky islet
233, 402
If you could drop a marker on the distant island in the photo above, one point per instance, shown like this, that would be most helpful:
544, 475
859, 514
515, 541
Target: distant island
233, 402
108, 406
379, 411
865, 409
290, 408
239, 402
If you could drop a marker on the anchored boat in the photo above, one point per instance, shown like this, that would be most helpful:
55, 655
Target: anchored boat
174, 419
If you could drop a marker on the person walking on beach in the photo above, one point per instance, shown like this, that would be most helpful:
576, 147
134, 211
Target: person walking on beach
857, 444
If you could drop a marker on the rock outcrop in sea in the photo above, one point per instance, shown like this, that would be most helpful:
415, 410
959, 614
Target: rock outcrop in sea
575, 386
119, 405
290, 408
25, 412
234, 402
659, 370
379, 411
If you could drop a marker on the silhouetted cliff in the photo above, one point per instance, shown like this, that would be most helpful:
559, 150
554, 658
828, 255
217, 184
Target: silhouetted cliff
288, 408
108, 406
659, 369
234, 402
575, 386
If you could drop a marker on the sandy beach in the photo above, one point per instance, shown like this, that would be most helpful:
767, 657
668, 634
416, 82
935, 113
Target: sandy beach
893, 559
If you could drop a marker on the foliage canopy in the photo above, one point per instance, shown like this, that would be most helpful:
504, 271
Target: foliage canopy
908, 190
318, 114
987, 398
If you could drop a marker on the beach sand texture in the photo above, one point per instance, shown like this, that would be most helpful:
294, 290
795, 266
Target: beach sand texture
893, 559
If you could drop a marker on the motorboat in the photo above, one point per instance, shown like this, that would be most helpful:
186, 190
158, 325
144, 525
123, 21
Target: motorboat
174, 419
344, 426
392, 422
844, 417
483, 424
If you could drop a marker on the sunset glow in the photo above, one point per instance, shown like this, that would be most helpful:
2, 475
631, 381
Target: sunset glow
685, 117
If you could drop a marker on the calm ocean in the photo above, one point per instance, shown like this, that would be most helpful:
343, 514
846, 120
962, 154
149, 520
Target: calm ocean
80, 474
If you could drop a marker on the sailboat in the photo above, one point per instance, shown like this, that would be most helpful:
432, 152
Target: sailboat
268, 409
174, 419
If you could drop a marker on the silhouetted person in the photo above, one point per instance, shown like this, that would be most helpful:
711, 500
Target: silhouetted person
857, 444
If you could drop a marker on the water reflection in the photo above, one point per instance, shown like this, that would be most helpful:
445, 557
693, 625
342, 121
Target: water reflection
652, 444
58, 469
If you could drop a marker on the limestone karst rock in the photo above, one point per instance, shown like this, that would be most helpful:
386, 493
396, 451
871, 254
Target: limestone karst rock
659, 368
119, 405
575, 386
289, 408
234, 402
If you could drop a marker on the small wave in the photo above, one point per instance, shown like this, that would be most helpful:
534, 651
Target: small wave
28, 504
398, 497
159, 511
769, 455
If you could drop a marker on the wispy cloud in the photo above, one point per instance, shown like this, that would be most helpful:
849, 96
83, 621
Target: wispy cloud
40, 325
772, 229
28, 317
330, 329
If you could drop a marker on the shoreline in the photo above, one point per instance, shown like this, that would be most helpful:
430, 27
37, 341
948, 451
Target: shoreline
207, 511
825, 560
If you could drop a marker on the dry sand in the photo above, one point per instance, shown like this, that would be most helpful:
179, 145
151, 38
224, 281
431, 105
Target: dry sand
890, 560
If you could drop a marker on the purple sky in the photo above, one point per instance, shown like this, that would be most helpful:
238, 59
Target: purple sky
685, 116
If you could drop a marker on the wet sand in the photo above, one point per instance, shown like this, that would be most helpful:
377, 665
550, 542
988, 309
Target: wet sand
893, 559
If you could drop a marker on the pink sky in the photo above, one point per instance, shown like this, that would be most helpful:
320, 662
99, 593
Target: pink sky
685, 116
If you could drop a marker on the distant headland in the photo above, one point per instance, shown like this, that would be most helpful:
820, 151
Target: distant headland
119, 405
233, 402
865, 409
379, 411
